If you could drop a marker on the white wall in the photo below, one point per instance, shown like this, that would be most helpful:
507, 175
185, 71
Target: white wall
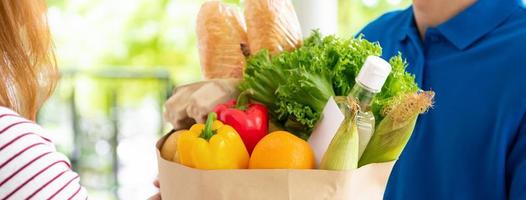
317, 14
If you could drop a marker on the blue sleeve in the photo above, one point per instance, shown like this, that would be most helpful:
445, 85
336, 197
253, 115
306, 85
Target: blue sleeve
516, 165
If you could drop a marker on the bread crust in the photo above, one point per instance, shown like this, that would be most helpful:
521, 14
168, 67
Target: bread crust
272, 25
221, 37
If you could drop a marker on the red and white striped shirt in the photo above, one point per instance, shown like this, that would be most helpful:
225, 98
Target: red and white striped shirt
30, 167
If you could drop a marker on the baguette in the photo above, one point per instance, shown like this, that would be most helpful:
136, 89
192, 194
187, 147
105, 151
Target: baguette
222, 41
272, 25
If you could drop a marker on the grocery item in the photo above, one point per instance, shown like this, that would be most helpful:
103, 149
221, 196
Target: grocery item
249, 119
212, 145
292, 93
369, 82
191, 103
180, 182
324, 131
294, 89
393, 132
356, 126
170, 146
222, 40
272, 25
282, 150
296, 85
342, 153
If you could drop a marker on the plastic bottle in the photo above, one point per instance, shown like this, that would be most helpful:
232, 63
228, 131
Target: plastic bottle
369, 82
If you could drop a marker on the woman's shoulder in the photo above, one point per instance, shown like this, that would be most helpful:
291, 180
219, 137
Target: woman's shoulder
14, 126
20, 137
7, 112
30, 167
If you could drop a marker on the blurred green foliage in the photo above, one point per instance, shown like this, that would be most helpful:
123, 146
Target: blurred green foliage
99, 34
157, 33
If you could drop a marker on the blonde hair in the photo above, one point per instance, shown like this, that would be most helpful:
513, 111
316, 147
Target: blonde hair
27, 64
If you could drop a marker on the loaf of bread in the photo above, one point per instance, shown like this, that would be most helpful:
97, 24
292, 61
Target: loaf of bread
222, 40
272, 25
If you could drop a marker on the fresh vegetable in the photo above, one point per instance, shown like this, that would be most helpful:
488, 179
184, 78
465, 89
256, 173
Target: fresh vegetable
170, 146
212, 146
249, 120
296, 85
282, 150
393, 132
343, 151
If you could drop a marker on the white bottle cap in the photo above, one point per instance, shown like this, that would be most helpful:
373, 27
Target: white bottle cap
373, 74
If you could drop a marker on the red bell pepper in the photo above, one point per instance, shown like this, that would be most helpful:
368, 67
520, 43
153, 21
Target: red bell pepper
249, 119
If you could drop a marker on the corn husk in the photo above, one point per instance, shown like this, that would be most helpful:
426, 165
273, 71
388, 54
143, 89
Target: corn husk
342, 153
393, 132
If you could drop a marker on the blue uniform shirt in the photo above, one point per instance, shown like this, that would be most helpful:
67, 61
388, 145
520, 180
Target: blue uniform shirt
472, 144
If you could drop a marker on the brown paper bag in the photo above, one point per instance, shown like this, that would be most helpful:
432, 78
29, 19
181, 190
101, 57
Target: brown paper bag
180, 182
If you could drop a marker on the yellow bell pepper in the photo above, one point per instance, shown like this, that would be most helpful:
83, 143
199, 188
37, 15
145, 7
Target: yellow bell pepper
213, 145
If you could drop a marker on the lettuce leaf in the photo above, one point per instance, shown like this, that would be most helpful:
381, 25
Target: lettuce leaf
296, 85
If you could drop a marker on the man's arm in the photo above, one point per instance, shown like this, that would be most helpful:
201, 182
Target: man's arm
516, 165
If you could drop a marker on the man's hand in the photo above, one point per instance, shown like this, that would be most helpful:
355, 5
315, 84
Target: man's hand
158, 195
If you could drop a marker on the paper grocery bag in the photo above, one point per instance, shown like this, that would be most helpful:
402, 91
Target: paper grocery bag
180, 182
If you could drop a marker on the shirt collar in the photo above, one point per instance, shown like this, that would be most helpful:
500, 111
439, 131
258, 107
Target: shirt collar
471, 24
408, 19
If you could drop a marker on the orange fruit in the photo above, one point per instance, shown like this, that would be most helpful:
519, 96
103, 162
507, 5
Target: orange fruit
282, 150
